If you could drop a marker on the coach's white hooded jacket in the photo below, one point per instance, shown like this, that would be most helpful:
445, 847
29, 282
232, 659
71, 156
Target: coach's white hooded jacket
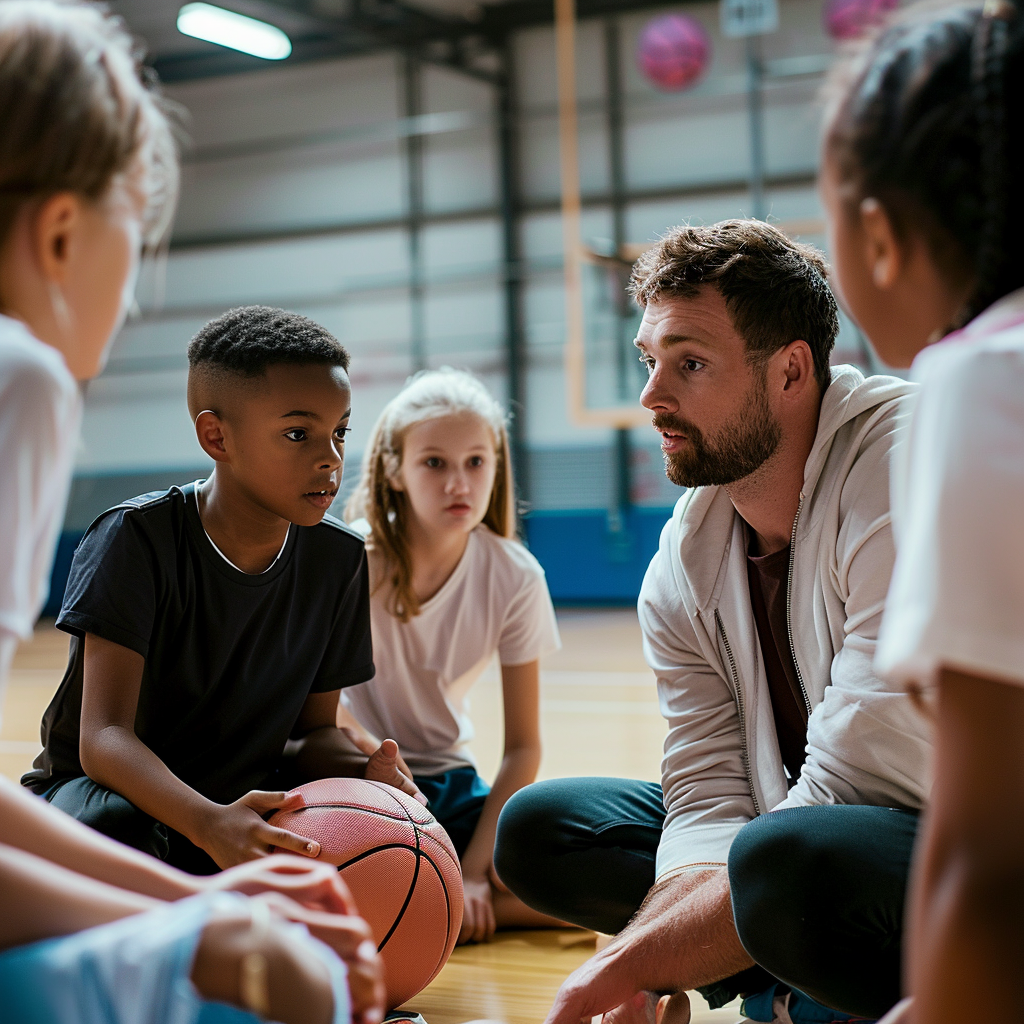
867, 743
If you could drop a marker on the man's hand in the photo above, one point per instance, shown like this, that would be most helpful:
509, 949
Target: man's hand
478, 924
235, 833
682, 937
674, 1009
385, 765
648, 1008
603, 984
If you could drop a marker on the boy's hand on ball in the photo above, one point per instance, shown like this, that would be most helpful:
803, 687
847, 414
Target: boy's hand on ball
386, 765
237, 833
311, 883
478, 923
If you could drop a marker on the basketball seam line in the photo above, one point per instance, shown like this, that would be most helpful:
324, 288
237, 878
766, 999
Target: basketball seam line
412, 884
448, 910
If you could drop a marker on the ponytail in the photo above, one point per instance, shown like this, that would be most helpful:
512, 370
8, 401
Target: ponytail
925, 118
988, 72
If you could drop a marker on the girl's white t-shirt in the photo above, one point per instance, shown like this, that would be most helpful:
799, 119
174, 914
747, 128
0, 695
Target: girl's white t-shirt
40, 414
957, 593
495, 601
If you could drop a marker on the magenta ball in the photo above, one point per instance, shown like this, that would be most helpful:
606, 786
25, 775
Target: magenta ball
673, 51
848, 19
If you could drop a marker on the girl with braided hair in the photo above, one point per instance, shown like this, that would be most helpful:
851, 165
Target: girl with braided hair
922, 169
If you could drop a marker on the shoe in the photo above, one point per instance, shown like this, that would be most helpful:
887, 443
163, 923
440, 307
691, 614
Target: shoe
780, 1005
403, 1017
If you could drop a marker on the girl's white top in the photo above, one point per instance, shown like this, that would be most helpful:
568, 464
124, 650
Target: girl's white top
495, 601
957, 592
40, 413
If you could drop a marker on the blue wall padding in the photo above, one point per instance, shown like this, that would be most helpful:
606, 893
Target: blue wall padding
590, 558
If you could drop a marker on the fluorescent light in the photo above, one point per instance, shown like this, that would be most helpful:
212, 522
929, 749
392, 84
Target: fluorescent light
226, 28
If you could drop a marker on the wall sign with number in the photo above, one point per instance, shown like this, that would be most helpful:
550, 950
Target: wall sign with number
748, 17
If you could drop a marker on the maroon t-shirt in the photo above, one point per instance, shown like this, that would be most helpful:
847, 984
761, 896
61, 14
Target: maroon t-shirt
768, 577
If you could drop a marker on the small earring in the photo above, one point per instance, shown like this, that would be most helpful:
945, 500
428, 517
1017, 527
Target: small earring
59, 305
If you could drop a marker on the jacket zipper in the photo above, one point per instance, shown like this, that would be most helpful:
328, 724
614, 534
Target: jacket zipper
789, 608
741, 709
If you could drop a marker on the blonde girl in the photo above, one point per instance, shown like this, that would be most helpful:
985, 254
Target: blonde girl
90, 930
451, 587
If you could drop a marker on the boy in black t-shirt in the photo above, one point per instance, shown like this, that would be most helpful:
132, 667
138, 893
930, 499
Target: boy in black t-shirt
214, 625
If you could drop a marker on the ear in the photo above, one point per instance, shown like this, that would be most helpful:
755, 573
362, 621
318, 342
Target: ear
211, 431
54, 227
883, 251
797, 362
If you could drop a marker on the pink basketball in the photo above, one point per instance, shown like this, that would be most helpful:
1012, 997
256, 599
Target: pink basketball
674, 50
848, 19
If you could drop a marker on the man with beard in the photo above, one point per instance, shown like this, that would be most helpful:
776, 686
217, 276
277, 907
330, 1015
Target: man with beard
760, 614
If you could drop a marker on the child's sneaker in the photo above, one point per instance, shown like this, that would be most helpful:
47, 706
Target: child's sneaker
403, 1017
780, 1005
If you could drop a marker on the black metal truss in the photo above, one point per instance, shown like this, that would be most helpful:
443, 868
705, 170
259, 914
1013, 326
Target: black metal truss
345, 29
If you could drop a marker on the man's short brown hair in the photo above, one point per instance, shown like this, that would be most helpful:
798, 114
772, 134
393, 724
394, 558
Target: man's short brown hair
775, 289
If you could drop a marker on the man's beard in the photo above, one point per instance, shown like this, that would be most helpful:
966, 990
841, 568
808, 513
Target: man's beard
739, 448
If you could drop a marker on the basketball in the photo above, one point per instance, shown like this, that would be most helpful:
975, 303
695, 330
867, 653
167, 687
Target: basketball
850, 19
673, 51
400, 866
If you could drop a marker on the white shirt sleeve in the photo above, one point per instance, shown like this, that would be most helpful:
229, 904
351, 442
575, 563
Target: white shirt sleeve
530, 630
38, 430
957, 593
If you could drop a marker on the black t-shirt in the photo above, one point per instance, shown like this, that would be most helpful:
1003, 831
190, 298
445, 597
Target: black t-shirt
230, 657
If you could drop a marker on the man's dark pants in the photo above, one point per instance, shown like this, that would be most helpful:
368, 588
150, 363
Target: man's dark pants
818, 892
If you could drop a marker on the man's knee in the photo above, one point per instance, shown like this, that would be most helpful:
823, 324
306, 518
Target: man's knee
779, 869
111, 814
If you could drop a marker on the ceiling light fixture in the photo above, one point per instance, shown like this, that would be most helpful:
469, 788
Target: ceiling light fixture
226, 28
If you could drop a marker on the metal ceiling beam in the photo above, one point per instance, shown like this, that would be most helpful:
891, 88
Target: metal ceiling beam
368, 26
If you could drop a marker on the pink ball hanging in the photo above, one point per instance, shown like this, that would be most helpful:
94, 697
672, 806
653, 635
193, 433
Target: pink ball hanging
674, 50
848, 19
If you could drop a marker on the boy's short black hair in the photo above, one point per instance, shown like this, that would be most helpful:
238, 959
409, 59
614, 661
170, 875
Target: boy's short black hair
248, 340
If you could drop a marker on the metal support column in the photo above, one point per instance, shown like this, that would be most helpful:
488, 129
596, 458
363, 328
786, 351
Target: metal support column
617, 180
755, 104
512, 258
412, 74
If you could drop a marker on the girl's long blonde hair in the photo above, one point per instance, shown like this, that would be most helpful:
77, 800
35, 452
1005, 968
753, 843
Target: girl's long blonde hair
428, 395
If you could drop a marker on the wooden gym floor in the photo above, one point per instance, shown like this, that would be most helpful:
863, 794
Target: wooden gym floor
599, 716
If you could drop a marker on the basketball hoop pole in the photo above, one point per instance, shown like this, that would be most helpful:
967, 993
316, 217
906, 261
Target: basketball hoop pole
568, 145
755, 105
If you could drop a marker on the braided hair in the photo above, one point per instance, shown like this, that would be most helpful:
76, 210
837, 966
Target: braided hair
927, 121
